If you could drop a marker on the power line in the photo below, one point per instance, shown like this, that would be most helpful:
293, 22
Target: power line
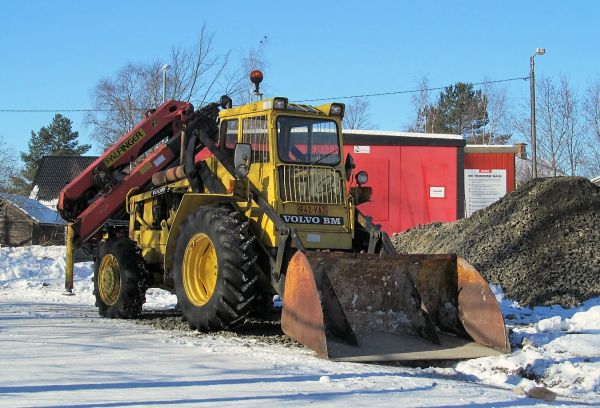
56, 110
62, 110
304, 100
409, 91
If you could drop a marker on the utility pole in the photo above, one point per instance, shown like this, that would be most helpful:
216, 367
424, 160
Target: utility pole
164, 69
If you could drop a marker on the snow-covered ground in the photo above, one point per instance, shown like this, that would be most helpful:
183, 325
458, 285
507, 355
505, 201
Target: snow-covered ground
557, 347
56, 352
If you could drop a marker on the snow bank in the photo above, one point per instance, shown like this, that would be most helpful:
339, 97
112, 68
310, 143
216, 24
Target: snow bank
552, 346
580, 322
27, 270
32, 264
38, 272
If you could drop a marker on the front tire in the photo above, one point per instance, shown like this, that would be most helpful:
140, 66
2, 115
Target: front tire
119, 279
214, 269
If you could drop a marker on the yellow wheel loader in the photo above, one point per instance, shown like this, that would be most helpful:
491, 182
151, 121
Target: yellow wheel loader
226, 205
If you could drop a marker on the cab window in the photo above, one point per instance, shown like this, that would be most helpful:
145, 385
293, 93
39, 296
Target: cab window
254, 132
307, 140
229, 134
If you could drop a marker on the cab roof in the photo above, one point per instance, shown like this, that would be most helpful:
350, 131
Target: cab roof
266, 105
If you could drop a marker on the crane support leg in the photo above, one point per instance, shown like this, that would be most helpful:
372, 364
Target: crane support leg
69, 259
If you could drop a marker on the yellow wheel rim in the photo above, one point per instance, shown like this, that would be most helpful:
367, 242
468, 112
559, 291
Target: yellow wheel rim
200, 268
109, 279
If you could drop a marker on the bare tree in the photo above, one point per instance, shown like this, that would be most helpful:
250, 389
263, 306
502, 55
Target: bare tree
591, 109
120, 101
560, 135
497, 109
562, 138
357, 114
421, 100
236, 83
550, 126
8, 167
571, 127
519, 120
591, 113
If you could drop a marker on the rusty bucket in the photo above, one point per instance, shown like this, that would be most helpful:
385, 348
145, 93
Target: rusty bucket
371, 307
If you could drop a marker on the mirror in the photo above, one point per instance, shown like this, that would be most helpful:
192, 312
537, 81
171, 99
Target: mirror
350, 165
241, 159
225, 102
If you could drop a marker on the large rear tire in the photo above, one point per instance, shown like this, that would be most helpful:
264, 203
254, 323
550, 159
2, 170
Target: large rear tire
213, 269
119, 279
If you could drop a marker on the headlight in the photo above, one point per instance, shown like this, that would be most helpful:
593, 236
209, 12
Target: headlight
362, 177
280, 103
242, 171
337, 109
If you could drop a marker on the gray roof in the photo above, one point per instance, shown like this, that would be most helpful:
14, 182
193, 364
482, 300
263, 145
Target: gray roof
55, 172
523, 169
418, 135
34, 209
473, 148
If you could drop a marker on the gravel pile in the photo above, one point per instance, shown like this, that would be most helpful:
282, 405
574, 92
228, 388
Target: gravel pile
540, 242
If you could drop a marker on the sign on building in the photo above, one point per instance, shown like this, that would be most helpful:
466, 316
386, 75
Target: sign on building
482, 188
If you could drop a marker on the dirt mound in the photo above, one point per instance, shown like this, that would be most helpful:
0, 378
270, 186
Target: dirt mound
540, 242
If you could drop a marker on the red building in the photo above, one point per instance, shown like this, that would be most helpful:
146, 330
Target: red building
420, 178
490, 173
416, 178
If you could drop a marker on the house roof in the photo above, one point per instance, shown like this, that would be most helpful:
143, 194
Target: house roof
401, 134
392, 138
55, 172
472, 148
34, 209
523, 169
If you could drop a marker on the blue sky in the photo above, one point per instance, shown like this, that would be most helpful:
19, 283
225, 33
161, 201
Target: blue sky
54, 52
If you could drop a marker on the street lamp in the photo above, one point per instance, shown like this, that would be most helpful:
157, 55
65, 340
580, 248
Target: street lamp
538, 51
164, 70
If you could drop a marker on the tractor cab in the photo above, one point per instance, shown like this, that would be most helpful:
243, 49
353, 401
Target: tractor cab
296, 162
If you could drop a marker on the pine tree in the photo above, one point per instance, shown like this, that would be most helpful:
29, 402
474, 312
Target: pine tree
57, 139
460, 110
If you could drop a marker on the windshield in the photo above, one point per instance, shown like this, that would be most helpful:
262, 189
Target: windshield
307, 140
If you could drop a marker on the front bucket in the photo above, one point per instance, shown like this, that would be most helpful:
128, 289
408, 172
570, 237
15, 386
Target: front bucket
370, 307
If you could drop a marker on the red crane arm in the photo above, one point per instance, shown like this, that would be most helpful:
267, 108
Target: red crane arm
100, 190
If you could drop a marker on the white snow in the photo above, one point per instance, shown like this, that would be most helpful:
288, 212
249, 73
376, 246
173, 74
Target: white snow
402, 134
51, 204
34, 192
35, 209
552, 324
55, 351
553, 346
